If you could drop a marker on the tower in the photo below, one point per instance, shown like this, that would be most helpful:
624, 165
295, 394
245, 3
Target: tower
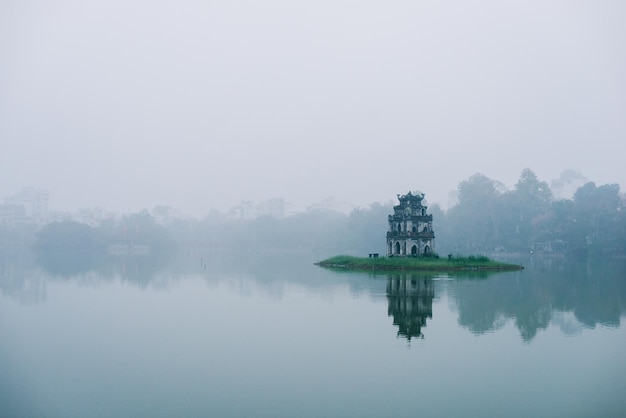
410, 228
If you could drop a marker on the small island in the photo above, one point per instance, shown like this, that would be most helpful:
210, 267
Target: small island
411, 245
432, 263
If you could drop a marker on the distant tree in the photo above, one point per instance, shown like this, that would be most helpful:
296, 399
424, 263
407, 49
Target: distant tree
597, 219
557, 222
474, 219
67, 248
367, 228
268, 232
141, 228
535, 194
69, 236
323, 231
522, 209
444, 235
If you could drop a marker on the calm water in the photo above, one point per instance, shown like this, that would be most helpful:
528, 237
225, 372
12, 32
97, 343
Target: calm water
272, 339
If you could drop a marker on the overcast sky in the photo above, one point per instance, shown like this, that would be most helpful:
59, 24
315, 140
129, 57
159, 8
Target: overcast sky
201, 104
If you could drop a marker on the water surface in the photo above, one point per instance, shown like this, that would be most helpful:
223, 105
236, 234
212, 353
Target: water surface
204, 337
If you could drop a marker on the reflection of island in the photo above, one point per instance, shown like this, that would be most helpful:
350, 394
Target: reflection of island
410, 302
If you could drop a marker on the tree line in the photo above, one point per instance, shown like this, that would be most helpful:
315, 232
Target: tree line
487, 218
529, 218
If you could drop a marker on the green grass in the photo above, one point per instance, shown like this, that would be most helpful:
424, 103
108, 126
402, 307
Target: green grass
472, 262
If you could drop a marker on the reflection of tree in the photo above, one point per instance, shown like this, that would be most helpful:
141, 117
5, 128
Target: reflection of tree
410, 302
69, 248
135, 269
19, 280
594, 292
24, 275
66, 264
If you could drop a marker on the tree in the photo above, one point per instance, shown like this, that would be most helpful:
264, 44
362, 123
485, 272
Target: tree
67, 248
598, 220
475, 219
523, 208
141, 228
69, 236
367, 228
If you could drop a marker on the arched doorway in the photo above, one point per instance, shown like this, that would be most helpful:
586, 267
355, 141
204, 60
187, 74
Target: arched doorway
427, 250
397, 248
414, 250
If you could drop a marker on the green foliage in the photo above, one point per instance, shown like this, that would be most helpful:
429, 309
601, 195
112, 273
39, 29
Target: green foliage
488, 219
367, 228
415, 263
67, 248
474, 222
69, 236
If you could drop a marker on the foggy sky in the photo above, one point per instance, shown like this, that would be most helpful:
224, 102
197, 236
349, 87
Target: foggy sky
199, 105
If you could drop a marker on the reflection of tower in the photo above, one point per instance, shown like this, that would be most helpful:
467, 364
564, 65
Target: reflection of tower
410, 302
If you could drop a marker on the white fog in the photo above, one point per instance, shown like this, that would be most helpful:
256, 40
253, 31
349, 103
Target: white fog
200, 105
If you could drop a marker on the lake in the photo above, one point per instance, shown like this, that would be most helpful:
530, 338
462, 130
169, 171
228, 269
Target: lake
276, 336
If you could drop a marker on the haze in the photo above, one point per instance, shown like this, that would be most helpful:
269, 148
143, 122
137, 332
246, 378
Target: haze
199, 105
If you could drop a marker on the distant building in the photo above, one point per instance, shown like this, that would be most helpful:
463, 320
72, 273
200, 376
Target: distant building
248, 210
410, 228
557, 246
33, 201
566, 185
92, 216
12, 215
245, 210
272, 207
332, 204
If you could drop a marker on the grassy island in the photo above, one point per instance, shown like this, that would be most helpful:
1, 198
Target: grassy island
450, 263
